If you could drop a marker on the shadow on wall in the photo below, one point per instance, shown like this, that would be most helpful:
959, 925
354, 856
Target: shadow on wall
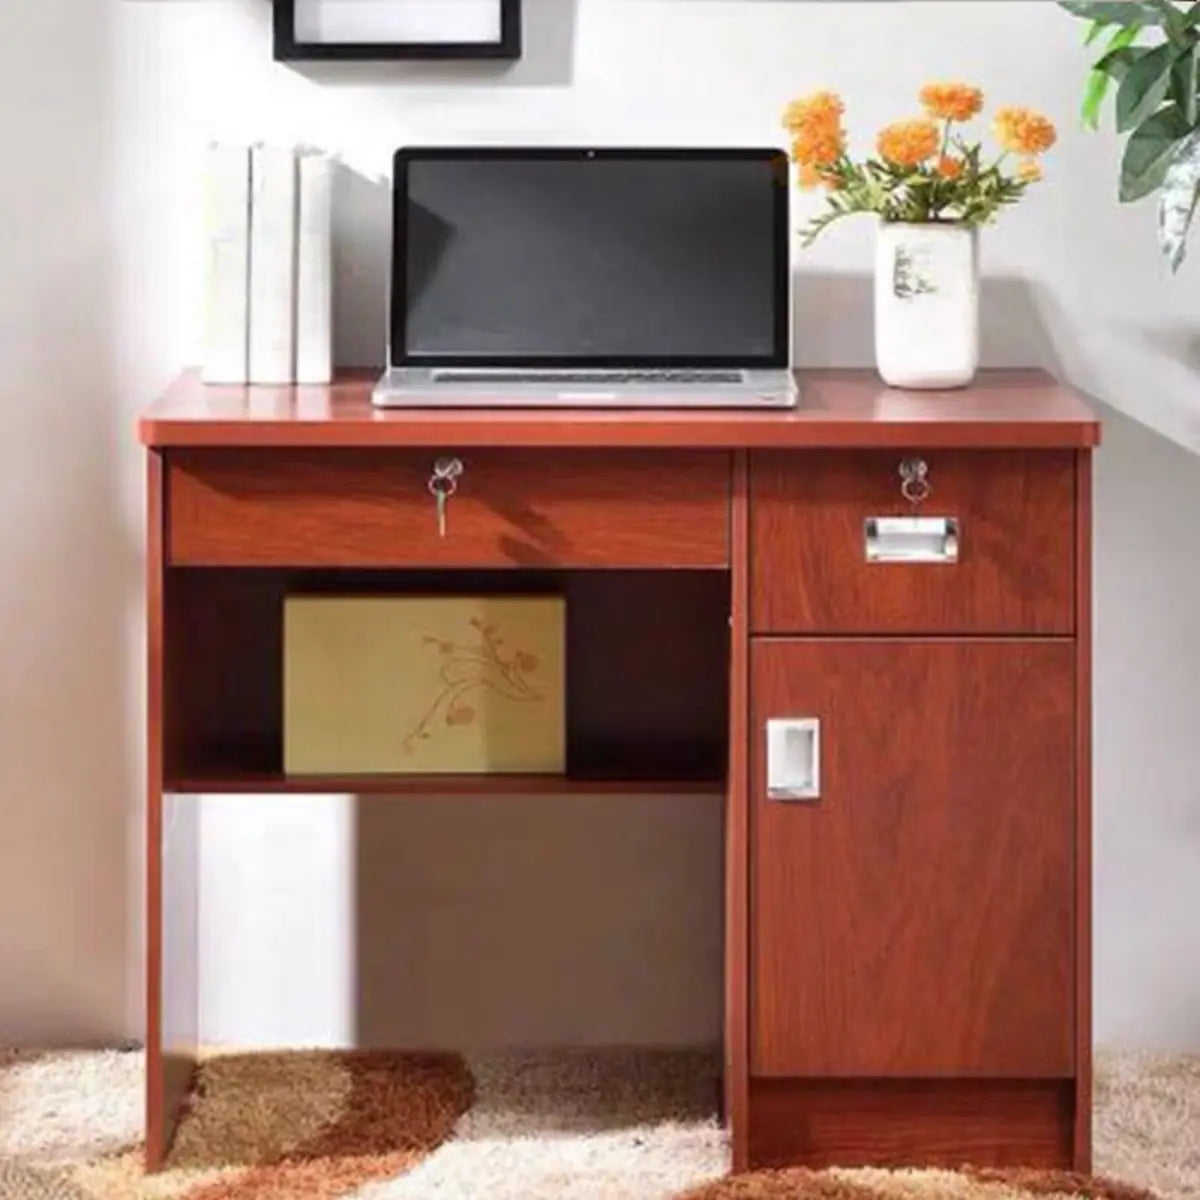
1147, 754
538, 921
833, 322
71, 575
362, 240
547, 60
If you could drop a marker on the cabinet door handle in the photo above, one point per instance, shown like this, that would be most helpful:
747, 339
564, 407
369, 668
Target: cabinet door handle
911, 539
794, 758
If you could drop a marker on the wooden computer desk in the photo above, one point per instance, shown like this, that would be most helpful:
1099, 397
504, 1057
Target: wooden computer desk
908, 954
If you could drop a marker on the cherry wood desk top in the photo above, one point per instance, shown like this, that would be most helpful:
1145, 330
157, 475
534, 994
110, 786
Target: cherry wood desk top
838, 408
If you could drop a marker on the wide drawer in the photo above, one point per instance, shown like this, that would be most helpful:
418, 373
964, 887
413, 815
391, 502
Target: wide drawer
995, 554
511, 508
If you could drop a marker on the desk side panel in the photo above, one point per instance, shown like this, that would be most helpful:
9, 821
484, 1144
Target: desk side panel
737, 836
1083, 813
171, 861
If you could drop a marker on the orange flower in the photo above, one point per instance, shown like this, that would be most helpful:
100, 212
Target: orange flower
819, 108
818, 147
951, 101
815, 123
1029, 171
1024, 131
949, 168
907, 143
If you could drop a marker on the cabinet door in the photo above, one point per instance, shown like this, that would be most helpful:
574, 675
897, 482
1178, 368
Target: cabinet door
915, 918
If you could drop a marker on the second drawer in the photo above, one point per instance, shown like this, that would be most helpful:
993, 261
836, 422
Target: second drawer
1011, 568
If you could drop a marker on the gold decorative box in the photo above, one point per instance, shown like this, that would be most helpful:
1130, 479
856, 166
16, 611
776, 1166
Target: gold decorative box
424, 684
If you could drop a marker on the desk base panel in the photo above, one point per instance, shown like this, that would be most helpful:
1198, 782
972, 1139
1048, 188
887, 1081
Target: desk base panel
918, 1123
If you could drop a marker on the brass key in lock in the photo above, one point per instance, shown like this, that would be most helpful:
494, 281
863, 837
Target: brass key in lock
443, 483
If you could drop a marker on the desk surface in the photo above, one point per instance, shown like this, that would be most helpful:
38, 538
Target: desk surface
838, 408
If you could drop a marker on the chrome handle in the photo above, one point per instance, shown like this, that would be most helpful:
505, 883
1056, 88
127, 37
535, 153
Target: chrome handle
911, 539
794, 758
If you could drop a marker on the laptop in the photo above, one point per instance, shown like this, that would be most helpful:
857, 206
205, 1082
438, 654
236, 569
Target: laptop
590, 277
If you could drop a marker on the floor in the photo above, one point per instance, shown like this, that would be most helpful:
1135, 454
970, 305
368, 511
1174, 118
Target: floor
572, 1126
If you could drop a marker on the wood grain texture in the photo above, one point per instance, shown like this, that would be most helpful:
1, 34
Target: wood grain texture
347, 508
837, 408
1083, 817
737, 831
1016, 568
171, 1038
919, 918
910, 1123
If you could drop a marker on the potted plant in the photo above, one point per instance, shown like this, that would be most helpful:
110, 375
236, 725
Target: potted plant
932, 187
1150, 49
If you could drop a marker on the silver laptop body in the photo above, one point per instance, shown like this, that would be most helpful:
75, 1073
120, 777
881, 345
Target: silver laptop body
590, 278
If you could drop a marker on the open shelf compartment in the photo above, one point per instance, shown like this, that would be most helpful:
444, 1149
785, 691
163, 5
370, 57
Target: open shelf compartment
643, 651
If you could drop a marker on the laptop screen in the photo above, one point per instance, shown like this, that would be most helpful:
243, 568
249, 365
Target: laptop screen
602, 257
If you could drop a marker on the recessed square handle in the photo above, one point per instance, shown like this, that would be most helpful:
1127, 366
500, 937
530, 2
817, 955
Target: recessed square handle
794, 758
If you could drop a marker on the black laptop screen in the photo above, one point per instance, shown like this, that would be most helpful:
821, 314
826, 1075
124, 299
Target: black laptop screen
604, 258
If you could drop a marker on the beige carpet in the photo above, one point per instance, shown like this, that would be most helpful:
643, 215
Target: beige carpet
577, 1126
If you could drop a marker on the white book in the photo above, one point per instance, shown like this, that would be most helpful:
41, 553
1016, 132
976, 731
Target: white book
314, 271
273, 265
226, 264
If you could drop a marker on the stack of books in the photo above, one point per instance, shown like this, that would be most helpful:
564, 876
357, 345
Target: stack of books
268, 268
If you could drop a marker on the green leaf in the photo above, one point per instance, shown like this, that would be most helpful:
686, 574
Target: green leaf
1149, 150
1172, 19
1144, 87
1112, 67
1116, 12
1094, 31
1093, 98
1119, 48
1177, 204
1185, 83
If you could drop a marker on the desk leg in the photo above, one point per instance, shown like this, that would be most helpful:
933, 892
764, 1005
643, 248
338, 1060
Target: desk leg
171, 868
737, 834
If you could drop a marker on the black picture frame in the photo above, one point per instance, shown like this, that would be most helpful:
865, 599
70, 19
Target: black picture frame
288, 49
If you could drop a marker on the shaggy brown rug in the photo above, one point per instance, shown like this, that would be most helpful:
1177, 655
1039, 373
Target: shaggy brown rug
846, 1184
633, 1125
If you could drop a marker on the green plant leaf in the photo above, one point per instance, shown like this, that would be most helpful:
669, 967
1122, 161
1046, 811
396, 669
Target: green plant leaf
1116, 12
1172, 20
1144, 87
1148, 152
1177, 204
1185, 83
1093, 98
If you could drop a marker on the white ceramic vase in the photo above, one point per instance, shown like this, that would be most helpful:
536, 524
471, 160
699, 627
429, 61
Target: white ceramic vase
927, 305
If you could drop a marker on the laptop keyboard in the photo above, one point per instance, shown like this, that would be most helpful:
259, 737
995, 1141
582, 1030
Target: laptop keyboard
586, 377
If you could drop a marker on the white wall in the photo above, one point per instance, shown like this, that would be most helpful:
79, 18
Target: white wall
98, 311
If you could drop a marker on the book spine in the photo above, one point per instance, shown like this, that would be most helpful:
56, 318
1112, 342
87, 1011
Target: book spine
273, 265
226, 265
314, 275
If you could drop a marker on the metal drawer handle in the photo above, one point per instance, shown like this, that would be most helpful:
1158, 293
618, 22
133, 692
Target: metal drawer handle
794, 758
911, 539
